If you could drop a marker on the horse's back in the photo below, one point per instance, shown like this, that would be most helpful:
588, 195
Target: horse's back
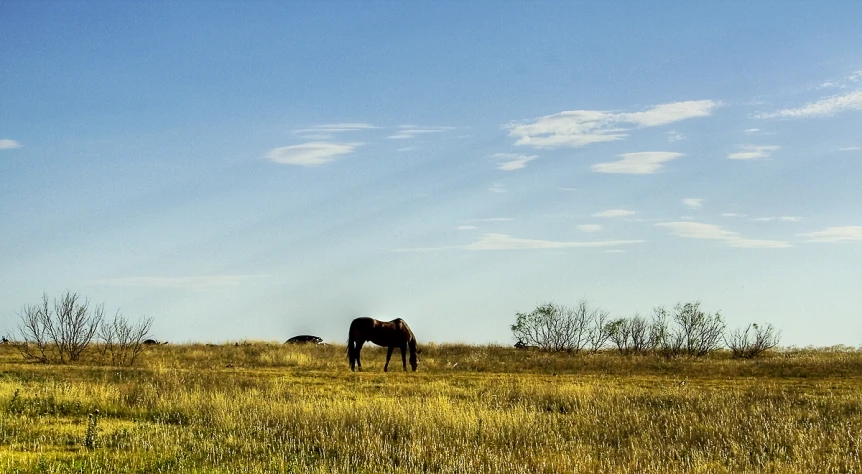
362, 323
382, 333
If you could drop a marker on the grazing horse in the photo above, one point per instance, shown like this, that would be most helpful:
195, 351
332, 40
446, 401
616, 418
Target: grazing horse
390, 334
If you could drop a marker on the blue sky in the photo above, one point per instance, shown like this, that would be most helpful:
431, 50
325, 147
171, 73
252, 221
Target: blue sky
263, 169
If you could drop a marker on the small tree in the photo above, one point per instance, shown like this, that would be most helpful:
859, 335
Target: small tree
620, 334
663, 339
630, 335
701, 332
686, 331
122, 340
753, 341
35, 341
639, 329
61, 331
599, 329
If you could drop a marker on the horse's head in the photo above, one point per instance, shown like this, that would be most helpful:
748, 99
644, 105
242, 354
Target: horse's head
414, 359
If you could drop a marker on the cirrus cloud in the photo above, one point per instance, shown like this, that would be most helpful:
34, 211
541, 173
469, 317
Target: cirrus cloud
578, 128
697, 230
411, 131
326, 131
826, 107
645, 162
850, 233
507, 242
614, 213
753, 152
311, 153
7, 144
692, 203
513, 161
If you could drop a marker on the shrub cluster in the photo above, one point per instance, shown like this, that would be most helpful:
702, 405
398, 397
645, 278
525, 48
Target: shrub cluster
60, 331
553, 327
686, 330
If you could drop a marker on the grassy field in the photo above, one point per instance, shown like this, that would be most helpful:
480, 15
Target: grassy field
470, 409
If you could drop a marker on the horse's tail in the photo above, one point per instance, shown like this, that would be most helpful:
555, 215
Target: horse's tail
351, 342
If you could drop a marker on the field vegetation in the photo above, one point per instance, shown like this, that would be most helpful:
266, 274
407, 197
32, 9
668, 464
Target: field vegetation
261, 407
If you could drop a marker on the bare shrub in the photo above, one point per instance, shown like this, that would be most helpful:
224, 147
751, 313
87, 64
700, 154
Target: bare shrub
35, 338
753, 341
61, 331
639, 329
122, 340
686, 331
620, 334
554, 327
664, 340
630, 335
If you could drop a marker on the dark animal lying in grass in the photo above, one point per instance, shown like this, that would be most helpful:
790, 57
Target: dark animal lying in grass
153, 342
390, 334
304, 339
523, 345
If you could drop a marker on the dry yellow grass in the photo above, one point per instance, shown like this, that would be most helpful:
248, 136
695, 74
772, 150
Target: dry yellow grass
472, 409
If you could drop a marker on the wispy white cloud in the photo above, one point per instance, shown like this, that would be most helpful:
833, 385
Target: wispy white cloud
506, 242
513, 161
311, 153
407, 148
781, 218
841, 83
826, 107
326, 131
696, 230
757, 131
674, 136
673, 112
693, 203
753, 152
830, 84
850, 233
497, 188
589, 228
732, 214
7, 144
850, 148
411, 131
466, 227
645, 162
193, 282
578, 128
614, 213
493, 219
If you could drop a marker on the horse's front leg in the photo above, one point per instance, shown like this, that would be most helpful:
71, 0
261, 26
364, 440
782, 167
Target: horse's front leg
404, 357
388, 356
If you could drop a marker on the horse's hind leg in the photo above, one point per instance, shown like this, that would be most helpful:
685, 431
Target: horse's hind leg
388, 356
356, 353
